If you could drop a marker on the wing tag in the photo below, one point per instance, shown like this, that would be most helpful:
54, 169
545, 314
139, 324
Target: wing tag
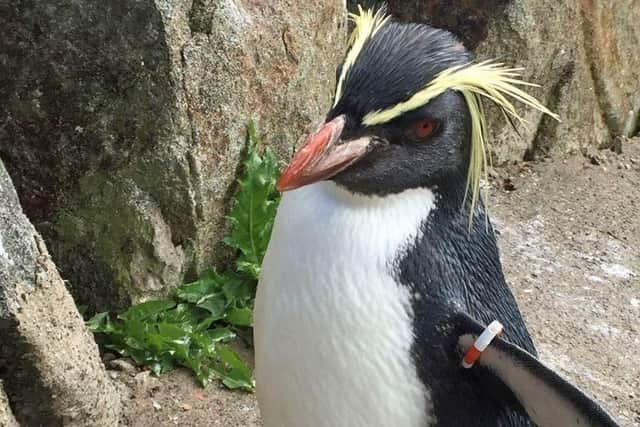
481, 343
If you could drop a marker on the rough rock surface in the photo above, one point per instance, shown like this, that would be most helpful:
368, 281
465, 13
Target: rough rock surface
122, 124
582, 53
6, 415
49, 362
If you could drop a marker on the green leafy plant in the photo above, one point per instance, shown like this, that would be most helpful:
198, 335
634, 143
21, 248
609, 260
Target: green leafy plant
194, 328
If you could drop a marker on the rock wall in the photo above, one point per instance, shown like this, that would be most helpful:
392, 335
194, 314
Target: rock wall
582, 53
122, 123
49, 362
6, 415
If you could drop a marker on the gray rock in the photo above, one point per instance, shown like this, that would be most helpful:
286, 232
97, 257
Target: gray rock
546, 38
612, 36
6, 416
122, 124
52, 369
124, 365
583, 54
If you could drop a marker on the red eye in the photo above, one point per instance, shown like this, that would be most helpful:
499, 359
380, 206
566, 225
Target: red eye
423, 128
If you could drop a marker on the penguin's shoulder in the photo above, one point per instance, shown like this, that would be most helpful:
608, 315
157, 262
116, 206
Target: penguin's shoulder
451, 267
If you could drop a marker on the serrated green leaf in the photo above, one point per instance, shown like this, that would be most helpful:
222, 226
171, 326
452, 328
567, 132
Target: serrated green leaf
101, 322
238, 288
239, 316
236, 374
135, 343
220, 334
204, 324
146, 310
173, 333
253, 208
135, 332
156, 343
248, 266
208, 282
216, 305
188, 316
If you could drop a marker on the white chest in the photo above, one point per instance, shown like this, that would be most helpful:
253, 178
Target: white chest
333, 329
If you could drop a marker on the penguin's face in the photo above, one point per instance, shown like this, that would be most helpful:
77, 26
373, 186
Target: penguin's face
368, 147
419, 149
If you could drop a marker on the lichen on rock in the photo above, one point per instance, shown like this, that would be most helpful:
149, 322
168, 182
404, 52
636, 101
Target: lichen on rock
123, 124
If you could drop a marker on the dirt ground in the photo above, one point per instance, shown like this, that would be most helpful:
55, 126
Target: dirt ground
569, 233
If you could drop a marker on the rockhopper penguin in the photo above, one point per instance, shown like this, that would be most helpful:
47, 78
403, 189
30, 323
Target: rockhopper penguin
383, 269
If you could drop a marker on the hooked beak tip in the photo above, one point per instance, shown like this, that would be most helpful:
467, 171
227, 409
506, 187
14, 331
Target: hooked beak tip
309, 163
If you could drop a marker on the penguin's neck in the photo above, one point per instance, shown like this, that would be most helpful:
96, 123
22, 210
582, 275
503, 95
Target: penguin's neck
455, 264
336, 227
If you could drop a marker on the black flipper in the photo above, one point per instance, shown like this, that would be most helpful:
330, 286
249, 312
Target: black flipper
548, 399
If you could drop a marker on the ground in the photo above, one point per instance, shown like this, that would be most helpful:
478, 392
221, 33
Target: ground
569, 234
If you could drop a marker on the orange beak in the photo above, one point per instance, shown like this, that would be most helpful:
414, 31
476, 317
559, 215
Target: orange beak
321, 157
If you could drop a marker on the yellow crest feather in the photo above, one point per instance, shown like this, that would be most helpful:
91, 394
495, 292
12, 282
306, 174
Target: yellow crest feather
486, 79
367, 23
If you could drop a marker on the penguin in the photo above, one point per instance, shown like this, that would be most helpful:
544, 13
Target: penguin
383, 270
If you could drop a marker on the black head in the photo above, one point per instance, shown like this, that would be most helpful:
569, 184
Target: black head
418, 148
423, 147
